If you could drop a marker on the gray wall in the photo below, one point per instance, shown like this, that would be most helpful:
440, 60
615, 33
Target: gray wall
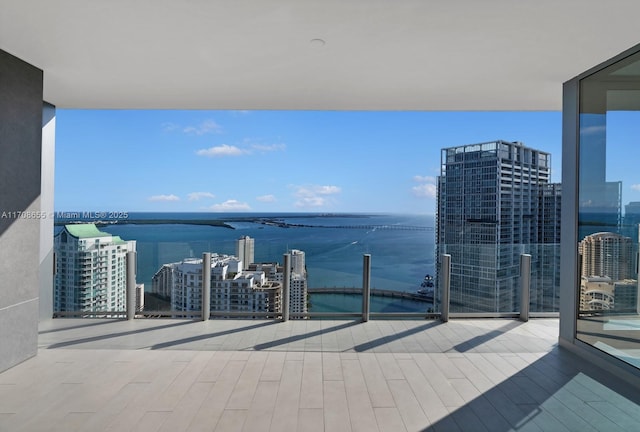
20, 179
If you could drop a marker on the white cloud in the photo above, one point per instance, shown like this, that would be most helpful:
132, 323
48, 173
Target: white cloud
424, 179
169, 127
164, 198
207, 126
195, 196
592, 130
311, 201
427, 188
315, 195
266, 198
635, 187
264, 148
327, 190
247, 148
230, 205
312, 190
221, 151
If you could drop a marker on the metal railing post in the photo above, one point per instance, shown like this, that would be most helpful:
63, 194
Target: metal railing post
525, 286
206, 286
366, 286
445, 286
131, 285
286, 285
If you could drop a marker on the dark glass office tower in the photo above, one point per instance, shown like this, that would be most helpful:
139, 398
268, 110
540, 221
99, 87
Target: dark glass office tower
495, 203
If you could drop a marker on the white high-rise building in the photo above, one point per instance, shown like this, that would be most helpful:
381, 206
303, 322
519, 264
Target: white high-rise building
232, 289
90, 269
298, 265
245, 247
297, 282
256, 289
162, 281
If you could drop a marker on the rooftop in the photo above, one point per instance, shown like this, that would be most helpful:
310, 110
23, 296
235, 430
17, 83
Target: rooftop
85, 230
308, 375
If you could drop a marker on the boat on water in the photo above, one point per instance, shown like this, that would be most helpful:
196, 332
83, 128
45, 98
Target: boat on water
427, 282
427, 286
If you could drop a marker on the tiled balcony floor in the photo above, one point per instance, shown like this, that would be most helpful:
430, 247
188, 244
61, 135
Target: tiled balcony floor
173, 375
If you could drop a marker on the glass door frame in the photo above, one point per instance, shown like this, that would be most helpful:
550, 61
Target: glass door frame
569, 276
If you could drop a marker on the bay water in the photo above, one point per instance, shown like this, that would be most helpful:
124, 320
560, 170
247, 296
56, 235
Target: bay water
401, 247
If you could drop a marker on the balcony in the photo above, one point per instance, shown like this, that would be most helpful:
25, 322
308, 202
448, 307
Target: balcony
178, 374
413, 375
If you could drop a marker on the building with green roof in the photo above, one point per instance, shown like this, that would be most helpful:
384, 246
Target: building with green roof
90, 269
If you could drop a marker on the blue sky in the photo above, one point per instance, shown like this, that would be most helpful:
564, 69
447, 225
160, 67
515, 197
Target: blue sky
272, 161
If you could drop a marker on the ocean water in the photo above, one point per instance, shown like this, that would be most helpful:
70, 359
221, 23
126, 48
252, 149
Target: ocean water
401, 247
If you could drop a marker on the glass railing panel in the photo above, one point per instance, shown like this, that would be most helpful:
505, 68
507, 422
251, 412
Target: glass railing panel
486, 278
332, 247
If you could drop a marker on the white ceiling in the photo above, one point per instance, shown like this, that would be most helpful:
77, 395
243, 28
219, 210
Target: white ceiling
261, 54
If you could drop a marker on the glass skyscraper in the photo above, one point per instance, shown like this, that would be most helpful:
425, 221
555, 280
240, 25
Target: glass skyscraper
494, 203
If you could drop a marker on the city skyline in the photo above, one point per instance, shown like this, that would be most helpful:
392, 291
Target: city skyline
272, 161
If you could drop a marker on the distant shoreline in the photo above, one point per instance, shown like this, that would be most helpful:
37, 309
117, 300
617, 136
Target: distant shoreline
275, 221
101, 223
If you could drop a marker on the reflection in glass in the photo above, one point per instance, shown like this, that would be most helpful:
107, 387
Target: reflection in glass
608, 237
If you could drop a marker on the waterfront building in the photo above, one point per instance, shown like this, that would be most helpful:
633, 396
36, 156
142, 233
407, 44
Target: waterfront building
162, 281
298, 287
273, 270
182, 281
606, 254
494, 203
90, 269
603, 294
298, 263
245, 247
256, 289
596, 293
